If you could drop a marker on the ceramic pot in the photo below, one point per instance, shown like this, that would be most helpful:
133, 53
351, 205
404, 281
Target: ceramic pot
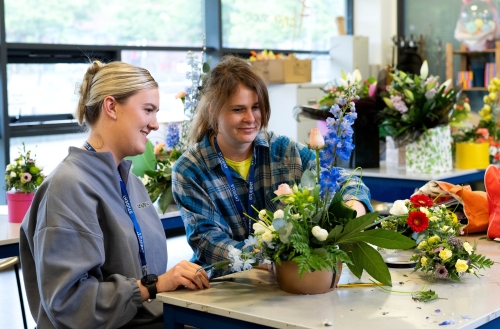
472, 155
18, 204
311, 283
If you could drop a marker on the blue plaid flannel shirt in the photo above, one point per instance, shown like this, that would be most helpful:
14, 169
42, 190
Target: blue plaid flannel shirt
205, 201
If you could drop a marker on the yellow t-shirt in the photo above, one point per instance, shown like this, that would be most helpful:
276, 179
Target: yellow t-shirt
242, 167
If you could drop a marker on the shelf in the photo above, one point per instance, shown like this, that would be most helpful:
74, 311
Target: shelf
475, 89
464, 55
467, 52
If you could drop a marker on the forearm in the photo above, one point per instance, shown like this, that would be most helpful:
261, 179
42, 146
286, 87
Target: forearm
359, 206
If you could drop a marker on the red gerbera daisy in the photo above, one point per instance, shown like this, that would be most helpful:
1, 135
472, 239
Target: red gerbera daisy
418, 221
421, 201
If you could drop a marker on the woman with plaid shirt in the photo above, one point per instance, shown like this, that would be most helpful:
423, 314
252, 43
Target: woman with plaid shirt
235, 163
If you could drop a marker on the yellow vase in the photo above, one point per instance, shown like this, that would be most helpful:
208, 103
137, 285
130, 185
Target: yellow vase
472, 155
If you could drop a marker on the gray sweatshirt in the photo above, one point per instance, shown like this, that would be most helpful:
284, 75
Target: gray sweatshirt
79, 251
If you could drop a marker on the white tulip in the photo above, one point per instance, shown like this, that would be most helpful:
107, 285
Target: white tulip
279, 214
259, 227
424, 70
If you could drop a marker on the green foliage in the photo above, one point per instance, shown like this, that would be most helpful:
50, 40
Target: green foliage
144, 162
418, 296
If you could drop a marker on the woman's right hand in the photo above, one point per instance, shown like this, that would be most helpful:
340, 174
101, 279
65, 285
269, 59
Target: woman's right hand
184, 274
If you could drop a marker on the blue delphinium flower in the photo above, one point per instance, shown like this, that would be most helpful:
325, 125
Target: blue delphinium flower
329, 181
339, 136
173, 136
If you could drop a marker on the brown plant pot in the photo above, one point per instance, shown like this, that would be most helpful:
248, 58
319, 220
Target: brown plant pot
311, 283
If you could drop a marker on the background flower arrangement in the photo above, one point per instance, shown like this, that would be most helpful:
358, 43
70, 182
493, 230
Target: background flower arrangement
440, 253
449, 257
23, 174
336, 89
414, 104
420, 217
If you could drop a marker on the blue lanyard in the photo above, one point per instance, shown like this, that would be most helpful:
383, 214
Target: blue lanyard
131, 213
232, 186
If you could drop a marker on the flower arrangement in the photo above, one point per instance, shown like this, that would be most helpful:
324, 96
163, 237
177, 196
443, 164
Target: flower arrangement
421, 217
336, 89
23, 174
449, 257
415, 103
315, 228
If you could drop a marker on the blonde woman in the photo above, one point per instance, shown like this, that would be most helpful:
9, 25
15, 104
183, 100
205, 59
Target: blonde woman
92, 246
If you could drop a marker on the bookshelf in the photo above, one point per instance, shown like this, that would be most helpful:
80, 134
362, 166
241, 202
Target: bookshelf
464, 55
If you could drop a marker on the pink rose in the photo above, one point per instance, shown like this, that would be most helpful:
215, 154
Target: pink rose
484, 132
283, 189
316, 140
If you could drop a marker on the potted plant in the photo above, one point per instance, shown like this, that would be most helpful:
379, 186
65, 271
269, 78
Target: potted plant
22, 177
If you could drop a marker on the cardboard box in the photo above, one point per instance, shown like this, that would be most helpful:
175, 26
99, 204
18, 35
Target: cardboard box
284, 70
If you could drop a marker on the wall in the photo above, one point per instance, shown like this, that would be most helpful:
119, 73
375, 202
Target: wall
376, 19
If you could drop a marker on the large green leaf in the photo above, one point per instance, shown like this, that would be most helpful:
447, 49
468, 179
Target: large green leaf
165, 199
356, 225
144, 162
372, 262
356, 266
339, 209
382, 238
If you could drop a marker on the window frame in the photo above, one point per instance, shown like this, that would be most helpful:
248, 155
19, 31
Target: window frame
34, 53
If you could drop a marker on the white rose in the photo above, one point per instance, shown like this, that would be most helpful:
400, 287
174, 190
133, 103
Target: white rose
319, 233
425, 211
259, 227
468, 247
433, 218
267, 237
21, 162
262, 214
398, 208
279, 214
13, 174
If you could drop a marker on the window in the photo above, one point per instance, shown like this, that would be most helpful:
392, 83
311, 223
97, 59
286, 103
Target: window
39, 89
169, 69
305, 25
113, 22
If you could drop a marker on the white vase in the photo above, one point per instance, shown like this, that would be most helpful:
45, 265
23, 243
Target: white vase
431, 152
